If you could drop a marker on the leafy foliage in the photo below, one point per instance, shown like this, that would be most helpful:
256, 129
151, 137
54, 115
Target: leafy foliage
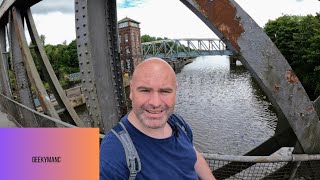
298, 39
63, 59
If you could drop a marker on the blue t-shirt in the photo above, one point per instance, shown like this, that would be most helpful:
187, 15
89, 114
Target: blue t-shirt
163, 159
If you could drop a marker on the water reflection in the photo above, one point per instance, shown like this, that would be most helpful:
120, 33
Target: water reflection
228, 113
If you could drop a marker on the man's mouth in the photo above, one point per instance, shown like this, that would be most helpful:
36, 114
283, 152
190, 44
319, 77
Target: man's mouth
154, 112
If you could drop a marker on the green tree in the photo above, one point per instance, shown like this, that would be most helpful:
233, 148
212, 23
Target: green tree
298, 39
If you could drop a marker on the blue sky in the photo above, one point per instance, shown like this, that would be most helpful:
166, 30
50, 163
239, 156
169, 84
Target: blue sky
161, 18
129, 3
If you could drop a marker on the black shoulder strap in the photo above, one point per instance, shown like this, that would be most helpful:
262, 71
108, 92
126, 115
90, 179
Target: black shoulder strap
179, 121
132, 157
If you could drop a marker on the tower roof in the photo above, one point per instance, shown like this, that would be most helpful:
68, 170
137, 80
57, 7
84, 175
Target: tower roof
126, 19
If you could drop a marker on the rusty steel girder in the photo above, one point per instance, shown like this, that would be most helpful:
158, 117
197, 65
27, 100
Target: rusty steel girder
266, 64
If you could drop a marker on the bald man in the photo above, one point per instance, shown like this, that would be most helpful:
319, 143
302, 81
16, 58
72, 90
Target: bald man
163, 146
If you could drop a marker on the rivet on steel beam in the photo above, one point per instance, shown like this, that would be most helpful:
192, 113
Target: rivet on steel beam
77, 2
90, 80
78, 36
88, 106
84, 34
88, 62
85, 89
82, 72
84, 16
89, 71
93, 98
77, 19
85, 44
97, 116
80, 54
84, 25
91, 89
81, 62
79, 45
86, 52
83, 80
95, 107
83, 7
87, 97
77, 10
78, 27
90, 113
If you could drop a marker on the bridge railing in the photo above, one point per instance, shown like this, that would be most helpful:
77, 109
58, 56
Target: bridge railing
184, 48
290, 166
16, 113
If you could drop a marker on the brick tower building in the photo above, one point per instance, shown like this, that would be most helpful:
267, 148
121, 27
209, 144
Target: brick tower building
130, 44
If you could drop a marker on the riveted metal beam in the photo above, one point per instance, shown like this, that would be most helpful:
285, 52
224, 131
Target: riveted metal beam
51, 78
5, 84
86, 64
22, 85
30, 66
98, 56
7, 4
266, 64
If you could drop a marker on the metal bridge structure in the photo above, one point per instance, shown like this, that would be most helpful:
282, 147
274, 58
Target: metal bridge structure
172, 49
298, 123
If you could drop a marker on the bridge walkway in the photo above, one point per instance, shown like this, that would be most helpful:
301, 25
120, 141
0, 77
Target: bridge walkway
5, 122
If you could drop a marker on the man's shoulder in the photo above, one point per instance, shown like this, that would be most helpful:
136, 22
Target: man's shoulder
111, 144
113, 163
177, 120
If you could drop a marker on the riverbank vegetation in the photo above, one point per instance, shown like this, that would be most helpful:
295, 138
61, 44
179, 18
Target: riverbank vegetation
298, 39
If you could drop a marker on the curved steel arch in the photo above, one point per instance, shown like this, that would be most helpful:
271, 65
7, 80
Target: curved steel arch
265, 63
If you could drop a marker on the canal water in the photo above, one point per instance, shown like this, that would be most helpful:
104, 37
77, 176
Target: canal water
226, 109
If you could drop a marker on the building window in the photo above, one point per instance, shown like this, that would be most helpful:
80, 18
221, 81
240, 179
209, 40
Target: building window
126, 37
133, 37
134, 24
122, 25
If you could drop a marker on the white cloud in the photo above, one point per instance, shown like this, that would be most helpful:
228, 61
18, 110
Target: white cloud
169, 18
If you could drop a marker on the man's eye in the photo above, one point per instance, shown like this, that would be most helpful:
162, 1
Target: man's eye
165, 92
144, 90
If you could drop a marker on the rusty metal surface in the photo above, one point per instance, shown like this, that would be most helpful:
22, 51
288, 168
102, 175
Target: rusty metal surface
30, 66
266, 64
49, 73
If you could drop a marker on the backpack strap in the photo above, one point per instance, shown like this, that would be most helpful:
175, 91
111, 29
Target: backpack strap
179, 121
132, 157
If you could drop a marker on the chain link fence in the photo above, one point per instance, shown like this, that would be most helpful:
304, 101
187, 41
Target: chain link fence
291, 166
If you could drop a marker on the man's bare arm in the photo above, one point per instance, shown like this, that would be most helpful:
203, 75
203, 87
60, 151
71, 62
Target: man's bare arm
202, 168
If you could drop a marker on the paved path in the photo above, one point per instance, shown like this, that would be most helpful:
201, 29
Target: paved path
4, 121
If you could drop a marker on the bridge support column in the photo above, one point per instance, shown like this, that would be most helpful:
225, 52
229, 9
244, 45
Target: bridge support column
233, 61
99, 61
70, 114
23, 87
4, 80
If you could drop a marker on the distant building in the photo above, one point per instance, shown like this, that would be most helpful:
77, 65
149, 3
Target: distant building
130, 44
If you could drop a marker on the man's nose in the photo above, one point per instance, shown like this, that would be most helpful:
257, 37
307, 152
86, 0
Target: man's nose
155, 100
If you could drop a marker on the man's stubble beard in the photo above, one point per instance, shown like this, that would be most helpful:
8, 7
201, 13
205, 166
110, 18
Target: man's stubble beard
144, 119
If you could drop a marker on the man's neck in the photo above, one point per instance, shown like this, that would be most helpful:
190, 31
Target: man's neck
158, 133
